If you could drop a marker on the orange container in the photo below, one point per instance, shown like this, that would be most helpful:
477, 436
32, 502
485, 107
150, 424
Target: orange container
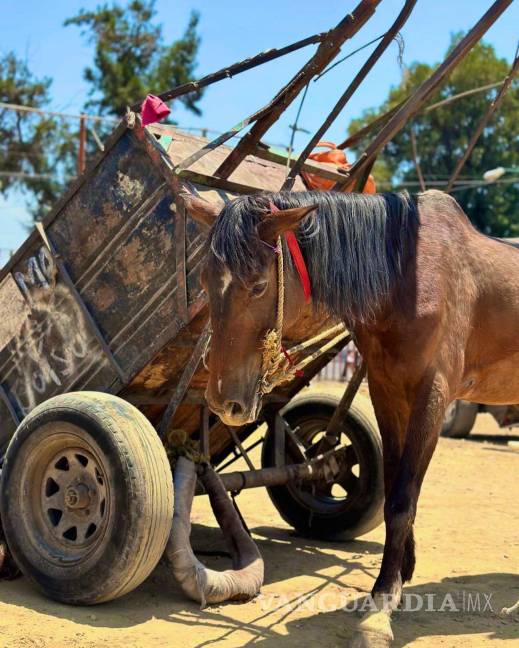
338, 158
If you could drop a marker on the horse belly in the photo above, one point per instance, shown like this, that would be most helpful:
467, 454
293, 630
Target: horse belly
494, 384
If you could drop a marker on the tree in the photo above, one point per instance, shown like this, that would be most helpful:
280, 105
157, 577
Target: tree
131, 58
34, 149
442, 136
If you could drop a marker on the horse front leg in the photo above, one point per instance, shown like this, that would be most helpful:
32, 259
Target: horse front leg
404, 473
425, 421
392, 412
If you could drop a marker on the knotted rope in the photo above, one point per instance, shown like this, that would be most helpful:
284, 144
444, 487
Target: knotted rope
277, 364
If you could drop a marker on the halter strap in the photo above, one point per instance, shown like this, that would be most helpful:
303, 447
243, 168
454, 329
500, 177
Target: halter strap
297, 257
299, 262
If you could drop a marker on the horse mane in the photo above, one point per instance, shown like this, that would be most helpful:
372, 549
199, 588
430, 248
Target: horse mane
355, 245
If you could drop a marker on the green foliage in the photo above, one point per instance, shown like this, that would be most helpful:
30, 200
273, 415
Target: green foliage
38, 153
131, 58
34, 150
442, 136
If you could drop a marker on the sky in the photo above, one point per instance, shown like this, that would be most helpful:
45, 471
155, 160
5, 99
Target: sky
232, 30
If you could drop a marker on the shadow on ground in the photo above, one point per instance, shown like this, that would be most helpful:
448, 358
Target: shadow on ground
160, 598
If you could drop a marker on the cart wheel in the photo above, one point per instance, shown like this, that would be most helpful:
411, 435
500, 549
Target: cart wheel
353, 504
86, 497
459, 419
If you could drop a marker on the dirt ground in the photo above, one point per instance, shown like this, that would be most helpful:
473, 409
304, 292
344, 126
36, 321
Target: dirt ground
467, 544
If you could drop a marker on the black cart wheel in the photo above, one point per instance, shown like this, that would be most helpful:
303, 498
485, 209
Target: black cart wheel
86, 497
459, 419
353, 504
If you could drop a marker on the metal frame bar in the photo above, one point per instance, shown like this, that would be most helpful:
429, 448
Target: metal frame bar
183, 383
322, 467
238, 456
236, 68
238, 444
205, 448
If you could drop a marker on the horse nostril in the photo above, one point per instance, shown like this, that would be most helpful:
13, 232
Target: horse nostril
233, 408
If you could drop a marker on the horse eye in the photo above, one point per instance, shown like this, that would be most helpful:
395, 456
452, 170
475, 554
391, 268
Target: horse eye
259, 289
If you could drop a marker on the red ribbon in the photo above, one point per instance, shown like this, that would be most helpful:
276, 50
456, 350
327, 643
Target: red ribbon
298, 372
299, 262
297, 257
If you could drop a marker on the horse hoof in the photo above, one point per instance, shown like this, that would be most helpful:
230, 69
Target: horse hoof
374, 631
368, 639
8, 568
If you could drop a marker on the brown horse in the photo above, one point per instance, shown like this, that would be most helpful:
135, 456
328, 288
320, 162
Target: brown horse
433, 305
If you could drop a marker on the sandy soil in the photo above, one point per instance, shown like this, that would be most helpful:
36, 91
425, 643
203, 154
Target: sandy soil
468, 542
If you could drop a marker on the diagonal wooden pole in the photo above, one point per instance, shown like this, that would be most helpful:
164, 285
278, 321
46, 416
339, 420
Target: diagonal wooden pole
234, 69
326, 52
494, 105
424, 91
350, 90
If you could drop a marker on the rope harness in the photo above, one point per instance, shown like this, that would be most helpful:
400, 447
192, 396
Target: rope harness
277, 364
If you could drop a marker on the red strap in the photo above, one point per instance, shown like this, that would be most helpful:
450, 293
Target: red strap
297, 256
299, 263
299, 372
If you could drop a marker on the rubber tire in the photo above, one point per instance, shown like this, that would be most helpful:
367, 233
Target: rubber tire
142, 496
361, 424
461, 424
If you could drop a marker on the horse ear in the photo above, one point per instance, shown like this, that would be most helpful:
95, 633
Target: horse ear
280, 221
201, 210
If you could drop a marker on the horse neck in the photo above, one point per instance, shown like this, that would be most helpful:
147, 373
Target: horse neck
302, 319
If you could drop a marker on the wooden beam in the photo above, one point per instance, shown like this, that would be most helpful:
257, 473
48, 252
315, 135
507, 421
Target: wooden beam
183, 383
232, 70
326, 52
350, 90
424, 91
310, 166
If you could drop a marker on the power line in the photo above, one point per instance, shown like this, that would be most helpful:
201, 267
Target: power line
474, 185
52, 113
95, 118
460, 95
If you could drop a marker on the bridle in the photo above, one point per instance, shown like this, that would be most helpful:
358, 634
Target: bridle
278, 365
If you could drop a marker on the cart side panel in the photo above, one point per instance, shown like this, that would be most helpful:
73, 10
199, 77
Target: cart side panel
52, 347
127, 276
105, 204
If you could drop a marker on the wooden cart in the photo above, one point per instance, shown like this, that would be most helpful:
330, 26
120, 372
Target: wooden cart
104, 327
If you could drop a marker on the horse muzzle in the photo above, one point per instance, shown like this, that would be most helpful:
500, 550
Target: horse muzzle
236, 412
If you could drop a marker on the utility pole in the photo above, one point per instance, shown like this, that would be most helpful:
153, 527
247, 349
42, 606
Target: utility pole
81, 158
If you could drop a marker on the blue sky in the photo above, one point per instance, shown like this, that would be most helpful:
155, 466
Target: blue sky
232, 30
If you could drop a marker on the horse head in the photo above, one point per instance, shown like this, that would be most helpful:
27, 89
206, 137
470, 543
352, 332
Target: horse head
240, 277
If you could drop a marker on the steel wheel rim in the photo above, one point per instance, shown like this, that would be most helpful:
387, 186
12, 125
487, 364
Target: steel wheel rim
319, 496
68, 507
